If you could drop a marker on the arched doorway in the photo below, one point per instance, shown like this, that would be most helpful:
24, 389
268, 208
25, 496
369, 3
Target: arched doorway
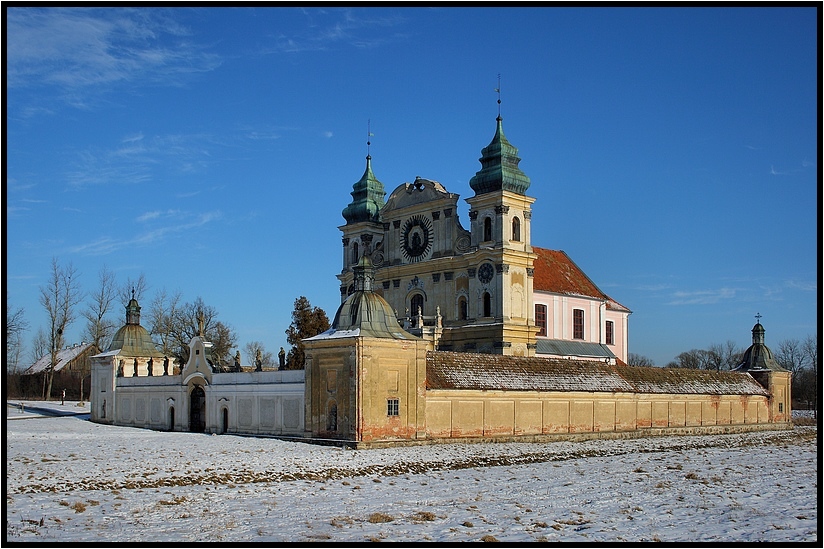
197, 410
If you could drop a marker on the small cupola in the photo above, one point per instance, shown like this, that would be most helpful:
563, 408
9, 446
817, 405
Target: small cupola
758, 356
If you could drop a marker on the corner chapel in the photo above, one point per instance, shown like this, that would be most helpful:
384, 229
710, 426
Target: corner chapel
484, 289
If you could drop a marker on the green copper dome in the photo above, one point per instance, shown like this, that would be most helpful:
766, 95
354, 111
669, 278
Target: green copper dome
365, 313
133, 339
367, 198
499, 171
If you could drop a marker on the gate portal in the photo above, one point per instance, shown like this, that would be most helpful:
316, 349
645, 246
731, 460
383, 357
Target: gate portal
197, 410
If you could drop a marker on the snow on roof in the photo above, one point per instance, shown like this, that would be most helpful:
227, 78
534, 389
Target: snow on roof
65, 356
450, 370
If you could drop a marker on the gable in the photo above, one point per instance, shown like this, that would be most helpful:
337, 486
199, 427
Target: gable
555, 272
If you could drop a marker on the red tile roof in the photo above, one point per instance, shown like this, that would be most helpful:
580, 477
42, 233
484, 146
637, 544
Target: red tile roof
555, 272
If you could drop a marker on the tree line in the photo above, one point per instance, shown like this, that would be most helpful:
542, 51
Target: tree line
171, 321
798, 356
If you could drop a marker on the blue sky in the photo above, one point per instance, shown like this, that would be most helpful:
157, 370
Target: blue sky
673, 152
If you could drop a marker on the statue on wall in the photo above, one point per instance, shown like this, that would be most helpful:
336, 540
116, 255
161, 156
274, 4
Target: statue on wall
150, 366
237, 361
165, 365
120, 368
282, 359
135, 367
258, 362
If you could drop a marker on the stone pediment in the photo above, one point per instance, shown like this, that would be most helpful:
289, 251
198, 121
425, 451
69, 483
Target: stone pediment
419, 192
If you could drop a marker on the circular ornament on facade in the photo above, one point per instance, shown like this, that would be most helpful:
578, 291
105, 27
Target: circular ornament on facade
377, 259
462, 244
416, 239
486, 272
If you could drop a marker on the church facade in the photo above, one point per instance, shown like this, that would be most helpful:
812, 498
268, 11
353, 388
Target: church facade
446, 333
485, 287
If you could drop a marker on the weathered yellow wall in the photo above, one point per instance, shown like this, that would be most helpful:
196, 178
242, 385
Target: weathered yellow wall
461, 413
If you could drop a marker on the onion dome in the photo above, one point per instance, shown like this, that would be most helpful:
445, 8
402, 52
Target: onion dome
365, 313
499, 171
367, 198
758, 356
133, 339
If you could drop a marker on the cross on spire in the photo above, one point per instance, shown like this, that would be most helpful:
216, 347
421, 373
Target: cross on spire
758, 318
368, 135
498, 91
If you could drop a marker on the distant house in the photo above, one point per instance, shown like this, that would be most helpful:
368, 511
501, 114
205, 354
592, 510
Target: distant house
72, 372
74, 358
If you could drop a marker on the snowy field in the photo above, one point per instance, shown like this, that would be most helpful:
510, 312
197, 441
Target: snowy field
70, 480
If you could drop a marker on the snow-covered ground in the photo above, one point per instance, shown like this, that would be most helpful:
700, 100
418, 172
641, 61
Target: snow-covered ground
70, 480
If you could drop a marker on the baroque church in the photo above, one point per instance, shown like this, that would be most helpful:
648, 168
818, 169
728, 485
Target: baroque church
484, 288
445, 333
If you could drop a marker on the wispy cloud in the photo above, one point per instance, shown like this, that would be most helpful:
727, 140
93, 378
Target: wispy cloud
182, 223
327, 29
702, 297
78, 48
149, 216
139, 160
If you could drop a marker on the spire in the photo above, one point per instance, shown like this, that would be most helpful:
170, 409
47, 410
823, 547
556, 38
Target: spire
367, 193
499, 163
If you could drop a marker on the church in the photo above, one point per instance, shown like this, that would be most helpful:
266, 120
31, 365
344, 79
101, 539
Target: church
446, 333
484, 288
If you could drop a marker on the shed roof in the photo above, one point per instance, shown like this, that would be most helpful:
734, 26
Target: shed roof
64, 357
471, 371
565, 347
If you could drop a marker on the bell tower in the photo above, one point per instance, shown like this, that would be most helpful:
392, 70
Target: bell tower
363, 232
500, 215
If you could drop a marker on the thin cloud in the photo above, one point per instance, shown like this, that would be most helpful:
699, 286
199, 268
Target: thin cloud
702, 297
182, 223
356, 28
77, 48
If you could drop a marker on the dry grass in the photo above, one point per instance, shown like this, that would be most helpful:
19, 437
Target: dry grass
489, 538
376, 518
423, 516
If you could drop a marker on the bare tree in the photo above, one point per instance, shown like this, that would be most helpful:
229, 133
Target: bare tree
634, 359
99, 326
267, 359
162, 314
697, 359
39, 345
187, 324
810, 349
59, 297
132, 288
790, 355
16, 326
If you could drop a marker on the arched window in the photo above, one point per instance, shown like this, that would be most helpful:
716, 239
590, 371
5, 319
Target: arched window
355, 253
417, 301
487, 304
516, 229
463, 312
487, 229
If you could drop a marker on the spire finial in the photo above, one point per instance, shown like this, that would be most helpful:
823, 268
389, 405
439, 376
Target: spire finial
132, 292
368, 135
758, 318
498, 91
